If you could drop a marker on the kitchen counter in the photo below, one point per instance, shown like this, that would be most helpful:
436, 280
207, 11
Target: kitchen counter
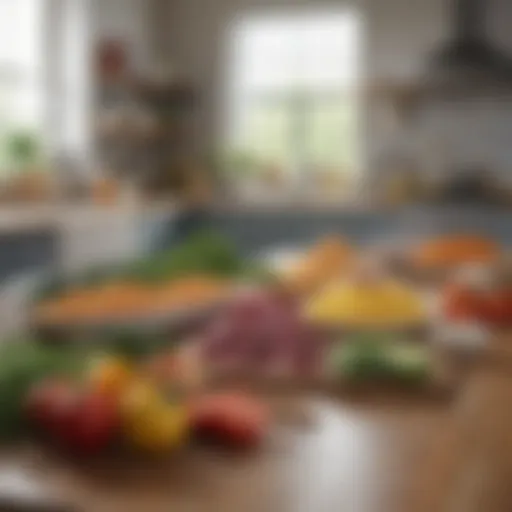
69, 237
66, 237
30, 217
323, 455
260, 229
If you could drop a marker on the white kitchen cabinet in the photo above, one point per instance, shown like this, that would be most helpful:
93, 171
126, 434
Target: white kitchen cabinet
98, 236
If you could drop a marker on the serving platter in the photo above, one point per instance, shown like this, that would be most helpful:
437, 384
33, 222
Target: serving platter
159, 322
448, 371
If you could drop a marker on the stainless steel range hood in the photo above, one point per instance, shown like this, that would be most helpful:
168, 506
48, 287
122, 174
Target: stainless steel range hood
469, 61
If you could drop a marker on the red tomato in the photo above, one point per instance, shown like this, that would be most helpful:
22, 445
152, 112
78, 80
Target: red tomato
83, 422
460, 303
47, 401
499, 308
236, 420
493, 311
507, 305
92, 424
492, 307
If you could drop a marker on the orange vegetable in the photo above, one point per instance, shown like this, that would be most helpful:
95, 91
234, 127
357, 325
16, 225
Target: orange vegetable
104, 301
189, 292
111, 376
450, 251
125, 299
327, 260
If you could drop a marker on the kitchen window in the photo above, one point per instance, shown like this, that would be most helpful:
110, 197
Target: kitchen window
20, 63
293, 103
43, 80
21, 91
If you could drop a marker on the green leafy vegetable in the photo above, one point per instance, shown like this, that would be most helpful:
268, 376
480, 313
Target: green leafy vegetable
202, 253
205, 252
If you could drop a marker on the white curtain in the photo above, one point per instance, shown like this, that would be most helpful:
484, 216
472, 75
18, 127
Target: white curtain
68, 77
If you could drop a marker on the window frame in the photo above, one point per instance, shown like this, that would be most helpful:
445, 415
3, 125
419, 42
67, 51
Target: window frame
62, 87
230, 124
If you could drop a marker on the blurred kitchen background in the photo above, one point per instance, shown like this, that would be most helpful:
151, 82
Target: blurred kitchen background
126, 123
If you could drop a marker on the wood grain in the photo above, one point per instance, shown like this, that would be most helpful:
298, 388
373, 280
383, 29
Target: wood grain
324, 453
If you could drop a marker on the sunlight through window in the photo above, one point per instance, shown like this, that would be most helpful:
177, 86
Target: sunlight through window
293, 97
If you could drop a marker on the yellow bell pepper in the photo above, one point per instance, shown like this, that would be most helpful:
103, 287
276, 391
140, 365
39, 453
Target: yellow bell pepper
160, 431
111, 375
150, 423
139, 399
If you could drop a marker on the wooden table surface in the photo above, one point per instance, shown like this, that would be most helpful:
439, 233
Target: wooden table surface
324, 454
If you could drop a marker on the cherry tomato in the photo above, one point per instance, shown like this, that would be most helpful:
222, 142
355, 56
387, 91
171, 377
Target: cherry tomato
47, 400
233, 419
498, 308
81, 421
460, 303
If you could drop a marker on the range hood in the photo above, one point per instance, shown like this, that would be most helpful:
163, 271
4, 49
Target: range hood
469, 59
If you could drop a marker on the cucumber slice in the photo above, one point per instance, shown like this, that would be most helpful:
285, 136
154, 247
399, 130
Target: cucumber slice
357, 361
409, 363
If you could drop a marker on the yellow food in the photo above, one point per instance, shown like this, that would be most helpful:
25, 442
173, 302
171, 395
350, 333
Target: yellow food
150, 423
380, 303
327, 260
139, 399
160, 431
111, 375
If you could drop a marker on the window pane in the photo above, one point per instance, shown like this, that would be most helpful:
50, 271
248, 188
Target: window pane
297, 52
20, 64
329, 53
266, 56
293, 99
20, 39
267, 130
20, 106
332, 132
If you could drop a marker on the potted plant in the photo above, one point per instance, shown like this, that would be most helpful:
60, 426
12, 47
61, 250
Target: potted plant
28, 177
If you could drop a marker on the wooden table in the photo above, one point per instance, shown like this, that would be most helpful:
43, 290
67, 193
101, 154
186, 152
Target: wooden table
324, 454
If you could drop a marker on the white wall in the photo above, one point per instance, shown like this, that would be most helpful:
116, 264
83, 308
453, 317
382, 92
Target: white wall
400, 33
127, 20
403, 32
